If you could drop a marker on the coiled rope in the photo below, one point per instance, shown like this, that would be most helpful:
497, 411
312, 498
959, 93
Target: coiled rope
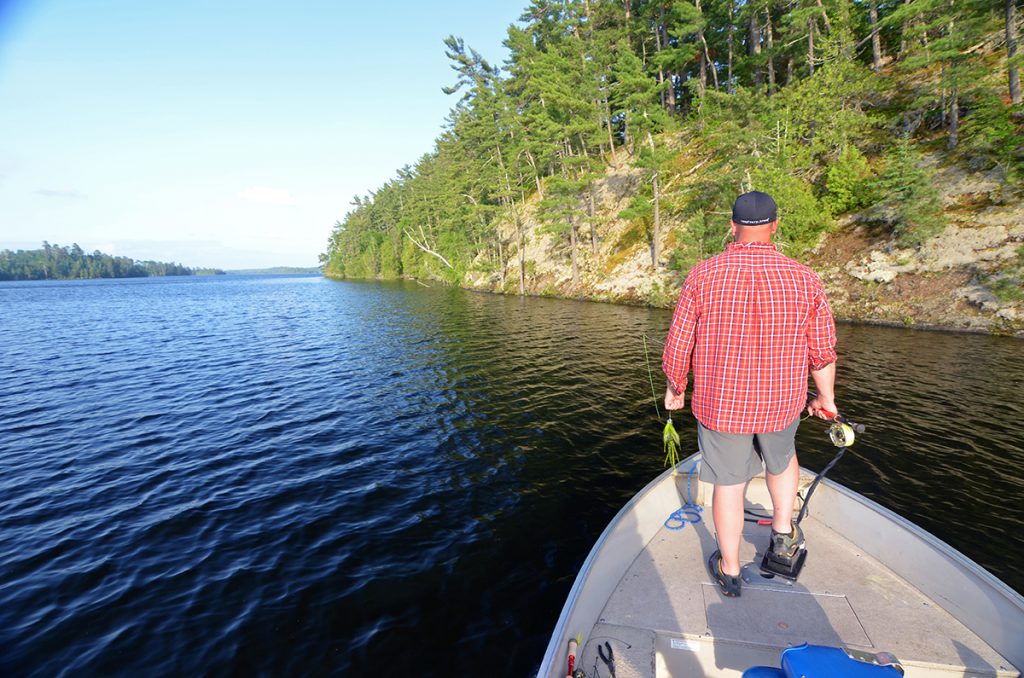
688, 512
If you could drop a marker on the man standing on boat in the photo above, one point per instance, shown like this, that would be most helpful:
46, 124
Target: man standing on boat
751, 323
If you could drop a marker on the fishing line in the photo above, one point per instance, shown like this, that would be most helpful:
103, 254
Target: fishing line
650, 375
670, 437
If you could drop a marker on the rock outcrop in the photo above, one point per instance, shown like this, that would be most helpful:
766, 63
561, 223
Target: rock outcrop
967, 277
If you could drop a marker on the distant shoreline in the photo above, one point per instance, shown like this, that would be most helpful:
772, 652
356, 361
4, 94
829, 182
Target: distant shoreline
56, 262
277, 270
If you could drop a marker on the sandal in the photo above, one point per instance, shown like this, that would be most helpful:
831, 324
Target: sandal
729, 585
787, 545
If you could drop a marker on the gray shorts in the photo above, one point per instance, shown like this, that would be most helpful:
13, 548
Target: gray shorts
734, 458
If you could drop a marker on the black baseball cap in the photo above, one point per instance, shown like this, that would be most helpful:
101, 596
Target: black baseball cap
754, 209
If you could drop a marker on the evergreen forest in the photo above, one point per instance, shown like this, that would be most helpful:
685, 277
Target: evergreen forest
53, 262
828, 105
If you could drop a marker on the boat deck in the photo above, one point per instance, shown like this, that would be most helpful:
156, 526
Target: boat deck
666, 617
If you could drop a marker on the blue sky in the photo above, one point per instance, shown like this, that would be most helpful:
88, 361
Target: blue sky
217, 133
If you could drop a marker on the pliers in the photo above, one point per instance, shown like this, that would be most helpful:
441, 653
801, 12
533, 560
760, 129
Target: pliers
608, 660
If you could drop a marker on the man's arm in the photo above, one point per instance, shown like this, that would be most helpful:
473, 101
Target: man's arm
824, 405
821, 349
675, 361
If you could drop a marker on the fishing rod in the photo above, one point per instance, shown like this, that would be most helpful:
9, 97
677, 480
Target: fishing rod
842, 432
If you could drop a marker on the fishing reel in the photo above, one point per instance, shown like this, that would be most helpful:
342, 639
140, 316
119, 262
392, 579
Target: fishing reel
843, 432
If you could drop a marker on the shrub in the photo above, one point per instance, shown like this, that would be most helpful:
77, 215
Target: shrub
848, 182
802, 216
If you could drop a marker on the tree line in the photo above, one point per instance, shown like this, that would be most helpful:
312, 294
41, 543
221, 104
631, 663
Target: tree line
826, 104
54, 262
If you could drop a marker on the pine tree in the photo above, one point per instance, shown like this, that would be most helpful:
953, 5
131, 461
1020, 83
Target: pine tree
1012, 60
907, 188
637, 95
942, 33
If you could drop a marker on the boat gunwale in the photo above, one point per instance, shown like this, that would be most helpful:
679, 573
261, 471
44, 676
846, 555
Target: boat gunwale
558, 638
958, 603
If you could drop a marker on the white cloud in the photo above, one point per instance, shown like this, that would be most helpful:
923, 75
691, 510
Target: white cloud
268, 196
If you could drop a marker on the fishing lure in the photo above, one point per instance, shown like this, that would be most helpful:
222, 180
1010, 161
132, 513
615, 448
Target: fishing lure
670, 436
671, 441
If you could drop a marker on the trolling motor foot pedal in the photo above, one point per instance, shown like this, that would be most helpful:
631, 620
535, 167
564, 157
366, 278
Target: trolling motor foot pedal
787, 568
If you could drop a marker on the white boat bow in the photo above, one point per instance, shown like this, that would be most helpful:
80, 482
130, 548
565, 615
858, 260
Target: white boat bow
873, 582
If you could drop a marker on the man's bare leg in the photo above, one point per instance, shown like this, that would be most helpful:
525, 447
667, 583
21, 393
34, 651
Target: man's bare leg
727, 509
782, 488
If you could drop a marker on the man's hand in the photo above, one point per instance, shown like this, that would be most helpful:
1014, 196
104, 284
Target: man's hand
823, 408
673, 400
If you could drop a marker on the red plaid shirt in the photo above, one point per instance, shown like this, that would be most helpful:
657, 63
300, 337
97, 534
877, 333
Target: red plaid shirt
750, 322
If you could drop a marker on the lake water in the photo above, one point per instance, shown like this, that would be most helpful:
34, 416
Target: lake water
289, 475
